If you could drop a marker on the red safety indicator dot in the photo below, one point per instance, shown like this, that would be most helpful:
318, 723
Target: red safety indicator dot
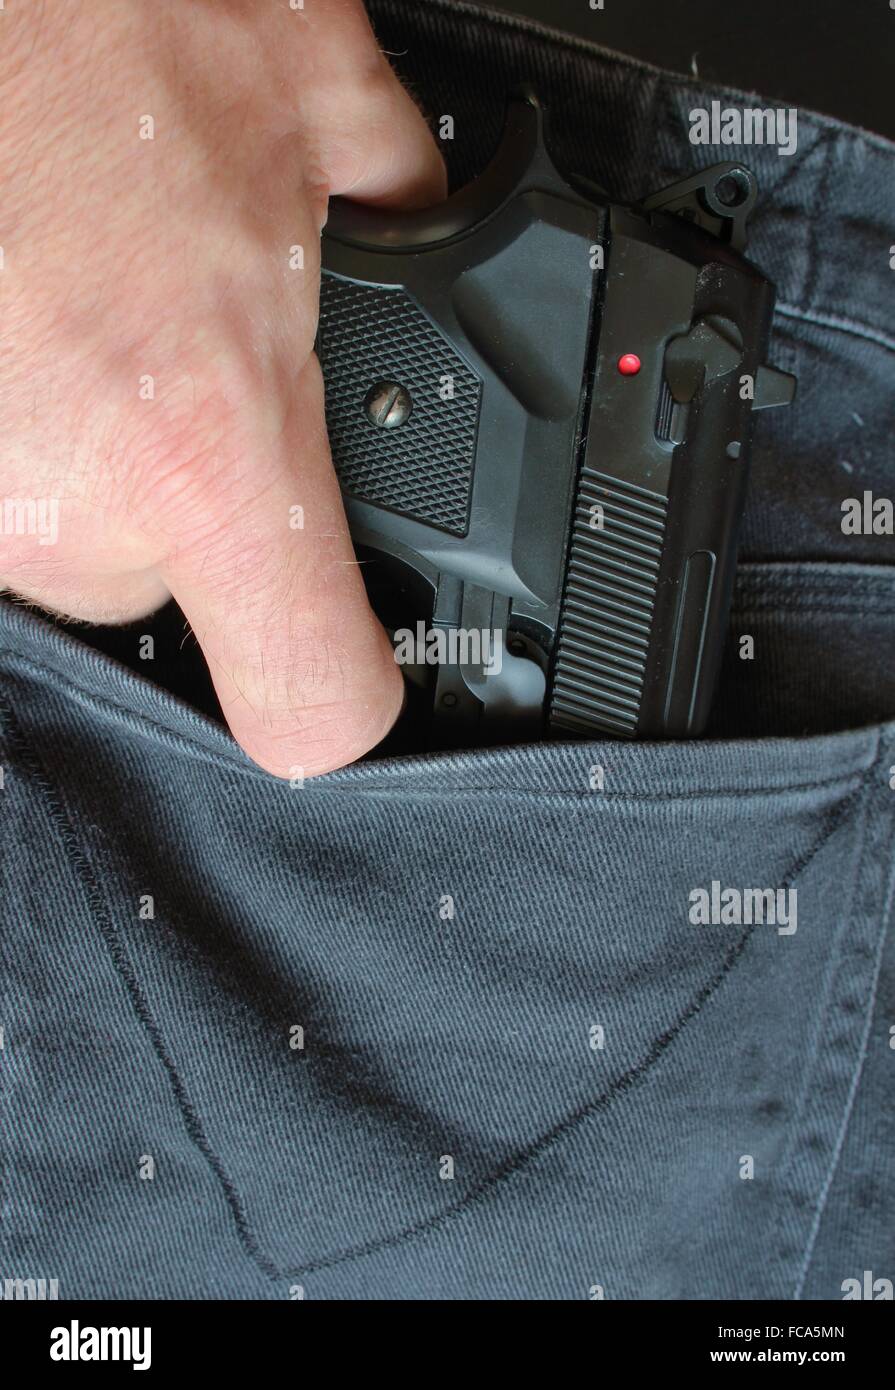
629, 364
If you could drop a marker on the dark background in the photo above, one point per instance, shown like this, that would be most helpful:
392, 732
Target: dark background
835, 56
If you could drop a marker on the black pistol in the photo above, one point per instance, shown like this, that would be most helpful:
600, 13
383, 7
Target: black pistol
540, 410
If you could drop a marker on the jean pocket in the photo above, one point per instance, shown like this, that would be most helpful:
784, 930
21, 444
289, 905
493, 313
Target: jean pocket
405, 1010
504, 1023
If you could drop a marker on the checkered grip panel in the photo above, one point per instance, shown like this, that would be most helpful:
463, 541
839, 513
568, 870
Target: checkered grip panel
422, 468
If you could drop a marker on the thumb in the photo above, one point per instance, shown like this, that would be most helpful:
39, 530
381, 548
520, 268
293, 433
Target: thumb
375, 144
305, 675
393, 160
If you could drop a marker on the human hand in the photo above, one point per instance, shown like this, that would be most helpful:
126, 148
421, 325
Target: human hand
165, 171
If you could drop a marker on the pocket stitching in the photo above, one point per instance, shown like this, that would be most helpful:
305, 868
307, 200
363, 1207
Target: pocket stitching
81, 863
82, 866
560, 1131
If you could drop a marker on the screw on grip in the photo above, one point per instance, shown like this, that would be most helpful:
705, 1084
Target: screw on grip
540, 408
387, 404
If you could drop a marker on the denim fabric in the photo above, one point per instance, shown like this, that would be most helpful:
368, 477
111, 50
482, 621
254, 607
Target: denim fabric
524, 1072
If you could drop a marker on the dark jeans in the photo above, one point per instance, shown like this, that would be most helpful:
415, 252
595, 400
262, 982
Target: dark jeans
450, 1026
